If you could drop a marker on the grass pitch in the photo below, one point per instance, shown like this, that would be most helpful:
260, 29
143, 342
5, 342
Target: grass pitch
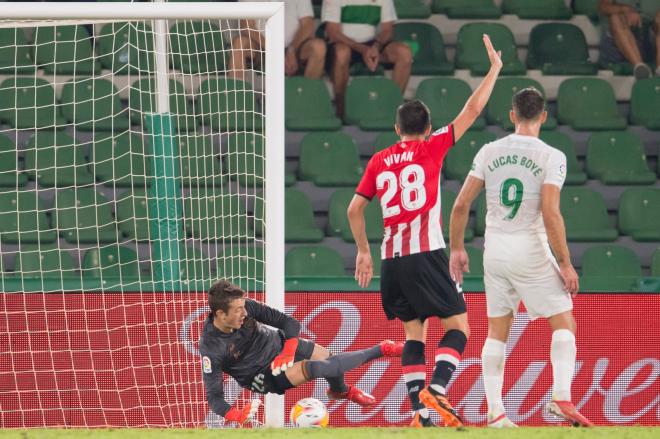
346, 433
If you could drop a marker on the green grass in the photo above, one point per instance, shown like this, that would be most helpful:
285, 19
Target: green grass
346, 433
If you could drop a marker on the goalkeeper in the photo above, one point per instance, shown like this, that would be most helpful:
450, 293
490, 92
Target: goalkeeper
236, 340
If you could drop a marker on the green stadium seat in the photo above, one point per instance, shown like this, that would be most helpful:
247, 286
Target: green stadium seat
610, 268
194, 265
561, 141
313, 261
499, 104
588, 104
228, 105
10, 173
46, 149
29, 102
114, 261
83, 215
214, 216
480, 208
639, 214
476, 261
471, 53
645, 103
371, 103
338, 224
445, 98
329, 159
43, 262
289, 179
65, 50
447, 199
133, 214
459, 158
427, 47
617, 157
15, 55
308, 106
93, 104
585, 216
587, 7
385, 140
200, 165
299, 224
142, 100
246, 159
23, 219
412, 8
120, 161
466, 9
197, 47
125, 48
559, 49
243, 265
655, 264
537, 9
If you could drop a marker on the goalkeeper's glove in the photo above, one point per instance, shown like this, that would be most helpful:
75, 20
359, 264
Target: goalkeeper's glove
244, 414
285, 359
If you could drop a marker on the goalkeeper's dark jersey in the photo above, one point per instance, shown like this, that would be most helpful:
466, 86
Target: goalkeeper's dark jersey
244, 353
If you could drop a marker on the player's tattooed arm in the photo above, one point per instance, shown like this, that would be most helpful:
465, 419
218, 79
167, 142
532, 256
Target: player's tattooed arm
458, 259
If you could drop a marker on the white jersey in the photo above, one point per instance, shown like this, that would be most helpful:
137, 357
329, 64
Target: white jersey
513, 169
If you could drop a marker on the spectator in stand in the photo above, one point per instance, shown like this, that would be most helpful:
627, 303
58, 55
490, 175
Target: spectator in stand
631, 32
353, 35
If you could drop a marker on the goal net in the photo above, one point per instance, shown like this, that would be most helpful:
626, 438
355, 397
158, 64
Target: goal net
133, 174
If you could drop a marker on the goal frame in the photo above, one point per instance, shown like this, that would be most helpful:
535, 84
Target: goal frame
273, 13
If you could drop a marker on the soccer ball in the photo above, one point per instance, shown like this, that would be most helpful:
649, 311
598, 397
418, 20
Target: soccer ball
309, 412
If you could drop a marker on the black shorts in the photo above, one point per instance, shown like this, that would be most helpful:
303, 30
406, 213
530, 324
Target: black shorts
266, 382
419, 286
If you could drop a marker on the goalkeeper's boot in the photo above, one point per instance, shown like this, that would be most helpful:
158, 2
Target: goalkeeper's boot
391, 348
500, 421
420, 421
440, 404
353, 394
566, 410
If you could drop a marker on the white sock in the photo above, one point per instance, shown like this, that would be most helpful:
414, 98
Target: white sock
492, 366
562, 355
424, 413
438, 388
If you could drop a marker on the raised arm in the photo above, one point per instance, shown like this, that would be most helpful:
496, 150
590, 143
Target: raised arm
273, 317
458, 259
476, 103
364, 267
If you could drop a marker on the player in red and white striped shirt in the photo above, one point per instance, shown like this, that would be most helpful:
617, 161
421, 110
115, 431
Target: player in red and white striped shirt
415, 279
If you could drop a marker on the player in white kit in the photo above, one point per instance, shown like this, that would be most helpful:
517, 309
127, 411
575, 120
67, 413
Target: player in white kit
523, 177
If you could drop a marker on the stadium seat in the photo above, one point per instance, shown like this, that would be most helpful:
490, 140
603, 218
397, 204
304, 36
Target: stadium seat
645, 103
10, 173
133, 213
194, 265
308, 106
559, 49
93, 105
338, 220
445, 98
427, 46
43, 262
200, 165
412, 8
228, 105
537, 9
587, 7
299, 224
371, 103
588, 104
142, 100
329, 159
83, 215
476, 257
197, 47
610, 268
114, 261
15, 55
243, 265
125, 48
289, 179
385, 140
459, 158
499, 105
313, 261
123, 160
561, 141
246, 159
211, 215
65, 50
447, 199
467, 9
655, 264
23, 219
46, 149
471, 53
639, 214
585, 216
29, 102
617, 157
480, 209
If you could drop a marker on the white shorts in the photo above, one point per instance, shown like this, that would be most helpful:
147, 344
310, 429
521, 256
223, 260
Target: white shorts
521, 267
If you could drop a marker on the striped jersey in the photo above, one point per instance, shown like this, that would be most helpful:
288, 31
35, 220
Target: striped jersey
406, 179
